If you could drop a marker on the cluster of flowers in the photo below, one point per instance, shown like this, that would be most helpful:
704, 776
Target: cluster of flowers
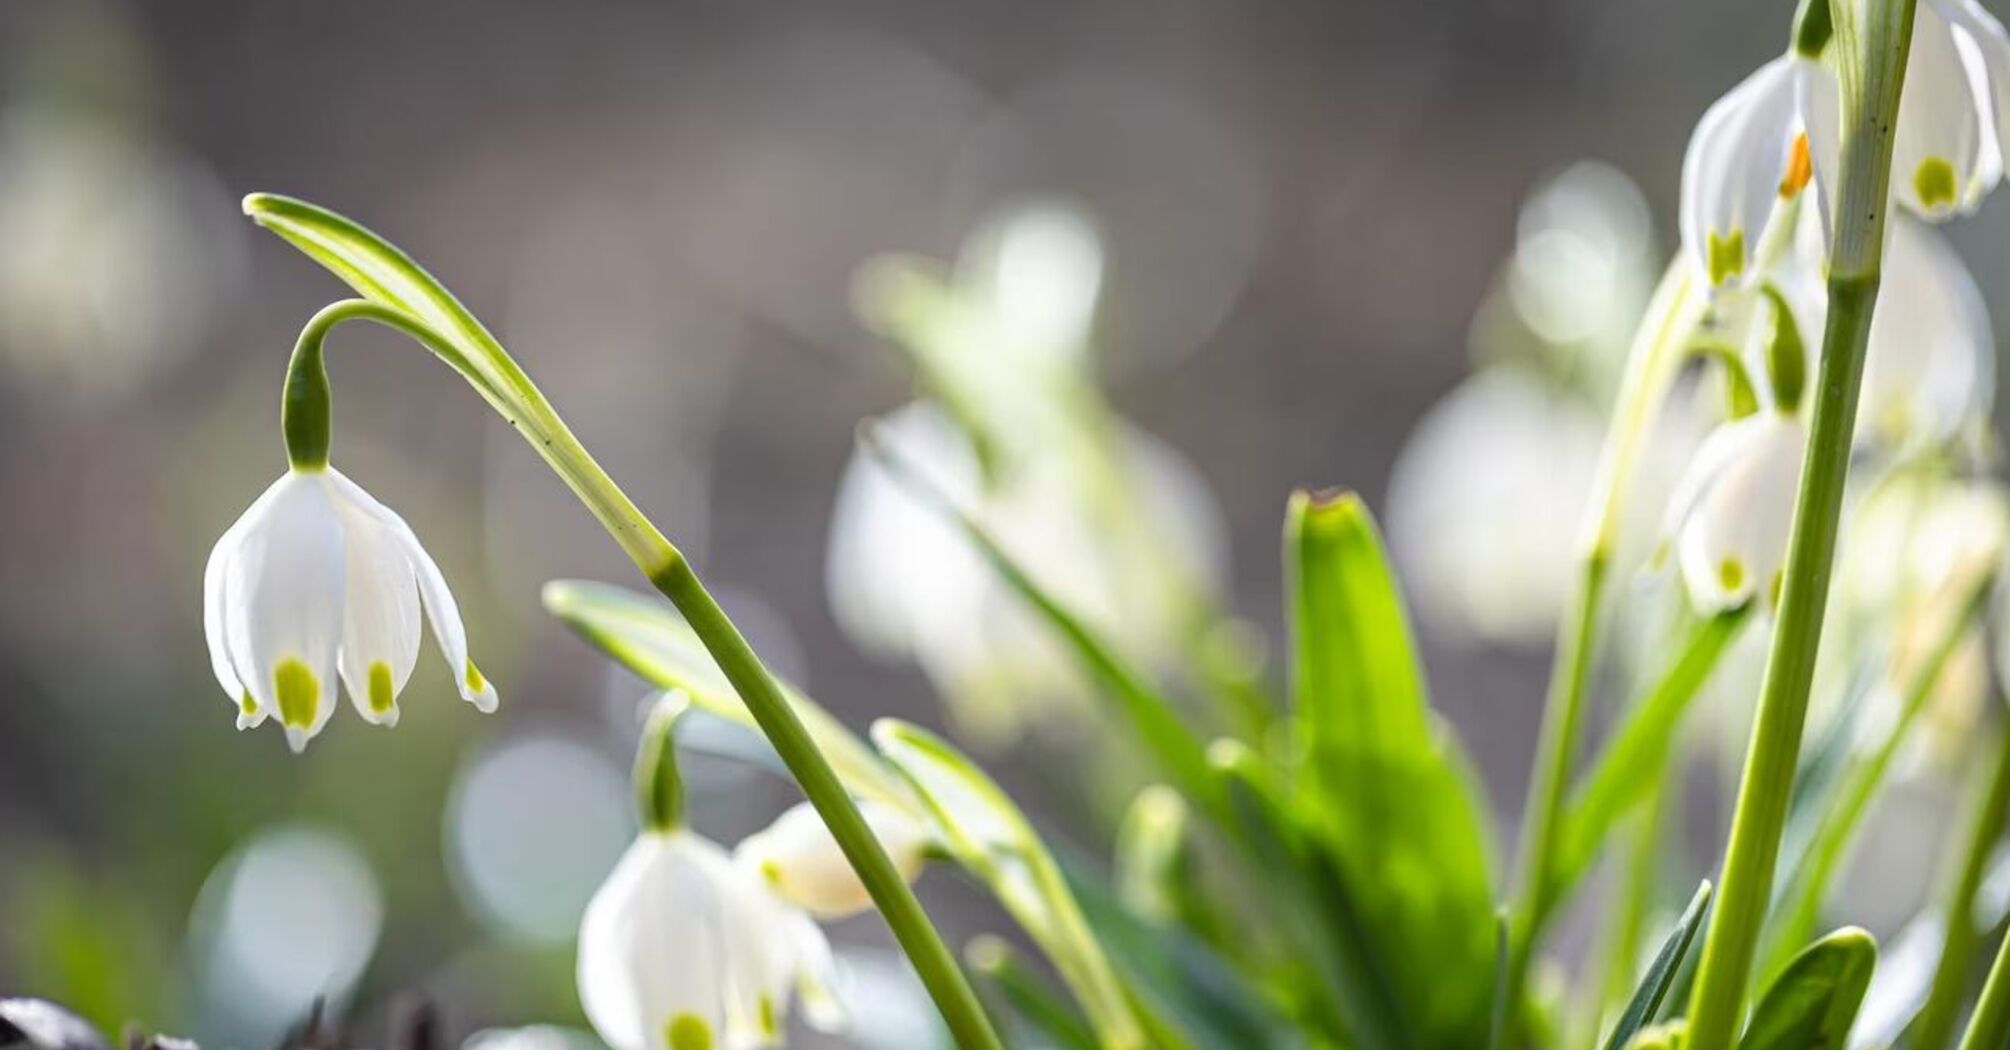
1748, 233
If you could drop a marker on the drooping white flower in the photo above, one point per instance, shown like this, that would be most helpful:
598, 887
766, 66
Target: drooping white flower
1733, 507
1931, 365
801, 862
1954, 110
318, 579
1757, 145
682, 950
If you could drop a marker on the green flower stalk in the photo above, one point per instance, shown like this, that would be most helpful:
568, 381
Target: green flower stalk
399, 294
1874, 44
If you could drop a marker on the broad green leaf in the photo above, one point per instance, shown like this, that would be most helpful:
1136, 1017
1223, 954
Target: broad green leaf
987, 834
1634, 763
1314, 903
1390, 796
1813, 1002
1646, 1005
651, 639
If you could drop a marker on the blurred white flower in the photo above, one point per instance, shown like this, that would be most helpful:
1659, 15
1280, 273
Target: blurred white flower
1731, 511
1583, 265
1126, 550
318, 575
531, 826
682, 950
290, 917
1931, 368
1916, 548
531, 1037
112, 258
1484, 503
1756, 146
802, 863
1948, 152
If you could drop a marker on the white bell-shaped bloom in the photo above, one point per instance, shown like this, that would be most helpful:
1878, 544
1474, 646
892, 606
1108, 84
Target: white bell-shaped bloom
1758, 144
319, 579
1931, 365
802, 863
1488, 559
1732, 510
1954, 110
682, 950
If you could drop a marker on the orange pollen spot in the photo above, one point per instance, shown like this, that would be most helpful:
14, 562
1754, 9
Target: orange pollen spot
1800, 168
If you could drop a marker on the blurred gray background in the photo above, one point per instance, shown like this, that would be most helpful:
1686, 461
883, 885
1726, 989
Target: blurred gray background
659, 208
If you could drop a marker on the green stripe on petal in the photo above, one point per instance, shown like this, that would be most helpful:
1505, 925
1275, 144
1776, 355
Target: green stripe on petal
689, 1032
299, 693
1726, 256
1935, 183
382, 692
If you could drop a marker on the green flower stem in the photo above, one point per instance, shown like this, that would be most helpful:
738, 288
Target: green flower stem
1875, 39
1935, 1024
1653, 359
1989, 1026
305, 420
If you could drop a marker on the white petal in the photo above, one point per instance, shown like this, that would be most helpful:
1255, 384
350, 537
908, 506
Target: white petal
441, 611
1732, 171
1991, 60
801, 862
1936, 166
1733, 543
815, 974
1820, 102
652, 948
380, 621
282, 595
1932, 356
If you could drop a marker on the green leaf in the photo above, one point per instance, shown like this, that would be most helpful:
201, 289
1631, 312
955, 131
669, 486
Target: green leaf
1314, 903
1633, 764
1815, 999
650, 638
988, 834
1391, 797
379, 271
1646, 1005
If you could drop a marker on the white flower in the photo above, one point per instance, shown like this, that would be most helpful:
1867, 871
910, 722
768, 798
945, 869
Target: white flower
1954, 110
1931, 367
1758, 144
1733, 507
804, 865
905, 582
682, 950
317, 575
1484, 504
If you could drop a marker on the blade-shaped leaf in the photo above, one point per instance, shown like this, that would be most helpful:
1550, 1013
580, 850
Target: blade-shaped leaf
1645, 1006
648, 637
991, 838
1315, 904
1630, 767
1815, 999
381, 272
1391, 797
